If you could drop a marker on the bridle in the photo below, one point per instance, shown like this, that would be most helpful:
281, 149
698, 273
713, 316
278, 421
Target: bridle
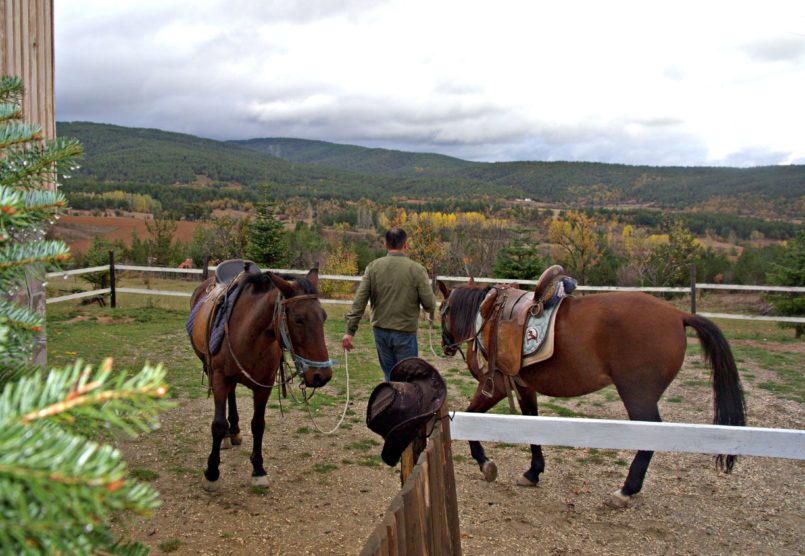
280, 321
447, 336
301, 364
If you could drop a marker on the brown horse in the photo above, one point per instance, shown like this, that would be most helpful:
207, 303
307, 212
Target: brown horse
273, 313
632, 340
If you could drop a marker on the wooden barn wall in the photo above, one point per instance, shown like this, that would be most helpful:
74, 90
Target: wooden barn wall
26, 50
26, 40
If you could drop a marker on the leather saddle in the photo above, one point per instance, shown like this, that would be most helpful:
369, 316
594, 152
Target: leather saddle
228, 270
506, 312
211, 313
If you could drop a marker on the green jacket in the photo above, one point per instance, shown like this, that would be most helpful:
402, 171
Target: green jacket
396, 287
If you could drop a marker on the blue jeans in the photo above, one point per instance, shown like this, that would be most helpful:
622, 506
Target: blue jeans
393, 346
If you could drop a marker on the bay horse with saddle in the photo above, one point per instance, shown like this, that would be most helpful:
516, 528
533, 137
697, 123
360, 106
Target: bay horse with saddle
241, 322
630, 339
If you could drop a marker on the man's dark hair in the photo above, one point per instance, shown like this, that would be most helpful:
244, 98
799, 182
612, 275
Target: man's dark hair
395, 238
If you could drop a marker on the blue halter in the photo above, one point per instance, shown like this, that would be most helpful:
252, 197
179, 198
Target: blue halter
302, 364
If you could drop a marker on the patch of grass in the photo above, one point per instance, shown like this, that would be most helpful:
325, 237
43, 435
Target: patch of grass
324, 467
621, 462
305, 455
697, 383
142, 474
345, 461
787, 366
370, 461
459, 458
170, 545
362, 445
303, 430
675, 399
258, 490
179, 470
560, 410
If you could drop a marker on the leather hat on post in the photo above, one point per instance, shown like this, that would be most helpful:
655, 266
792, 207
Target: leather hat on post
398, 408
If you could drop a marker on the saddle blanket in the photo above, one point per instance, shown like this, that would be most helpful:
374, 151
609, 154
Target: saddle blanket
538, 337
220, 314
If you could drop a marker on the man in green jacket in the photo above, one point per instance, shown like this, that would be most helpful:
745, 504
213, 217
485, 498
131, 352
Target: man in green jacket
396, 287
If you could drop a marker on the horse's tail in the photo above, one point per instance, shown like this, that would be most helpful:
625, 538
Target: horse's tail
728, 396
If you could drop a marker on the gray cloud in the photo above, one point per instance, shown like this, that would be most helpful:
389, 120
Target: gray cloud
778, 49
230, 71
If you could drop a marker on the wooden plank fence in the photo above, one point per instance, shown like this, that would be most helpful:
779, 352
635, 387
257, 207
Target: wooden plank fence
422, 518
692, 290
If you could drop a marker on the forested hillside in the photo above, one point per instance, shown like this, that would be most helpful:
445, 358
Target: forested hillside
128, 158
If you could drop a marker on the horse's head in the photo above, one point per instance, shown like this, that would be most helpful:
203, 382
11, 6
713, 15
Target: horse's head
300, 326
458, 312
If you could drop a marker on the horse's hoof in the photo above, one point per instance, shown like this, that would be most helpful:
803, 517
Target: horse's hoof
210, 486
523, 481
618, 500
490, 471
260, 481
226, 443
236, 439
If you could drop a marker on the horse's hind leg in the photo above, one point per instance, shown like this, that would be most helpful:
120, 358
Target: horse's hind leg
637, 471
233, 438
219, 431
259, 475
528, 406
481, 403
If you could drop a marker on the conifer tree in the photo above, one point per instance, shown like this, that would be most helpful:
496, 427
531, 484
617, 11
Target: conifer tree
519, 260
267, 244
58, 484
789, 270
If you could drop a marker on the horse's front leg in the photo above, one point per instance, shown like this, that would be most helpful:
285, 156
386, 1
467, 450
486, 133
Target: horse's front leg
219, 431
481, 403
233, 438
259, 475
528, 406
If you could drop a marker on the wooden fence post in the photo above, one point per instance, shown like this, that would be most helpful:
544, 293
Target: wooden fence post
693, 289
112, 279
205, 269
411, 453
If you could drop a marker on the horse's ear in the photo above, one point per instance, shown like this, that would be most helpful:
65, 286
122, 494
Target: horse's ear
313, 276
282, 284
443, 288
471, 281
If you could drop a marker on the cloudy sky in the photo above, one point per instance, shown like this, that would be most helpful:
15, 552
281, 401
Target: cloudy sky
659, 83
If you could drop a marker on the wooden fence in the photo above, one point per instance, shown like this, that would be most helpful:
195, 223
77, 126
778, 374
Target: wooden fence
692, 290
422, 518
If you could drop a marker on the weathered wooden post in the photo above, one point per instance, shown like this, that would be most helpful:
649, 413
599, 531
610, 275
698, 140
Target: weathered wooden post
693, 289
205, 268
112, 291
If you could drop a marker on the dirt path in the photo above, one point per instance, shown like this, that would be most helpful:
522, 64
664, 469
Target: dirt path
328, 492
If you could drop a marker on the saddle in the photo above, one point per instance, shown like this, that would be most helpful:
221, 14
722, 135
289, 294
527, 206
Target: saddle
506, 314
212, 311
229, 270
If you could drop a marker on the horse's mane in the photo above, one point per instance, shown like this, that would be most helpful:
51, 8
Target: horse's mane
264, 280
464, 305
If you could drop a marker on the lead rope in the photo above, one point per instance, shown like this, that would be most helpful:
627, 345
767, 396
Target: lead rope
430, 341
346, 403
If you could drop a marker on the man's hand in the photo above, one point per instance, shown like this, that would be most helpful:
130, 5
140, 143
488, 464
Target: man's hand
346, 342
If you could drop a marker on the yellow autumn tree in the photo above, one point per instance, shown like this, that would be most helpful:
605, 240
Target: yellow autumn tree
340, 260
577, 243
424, 242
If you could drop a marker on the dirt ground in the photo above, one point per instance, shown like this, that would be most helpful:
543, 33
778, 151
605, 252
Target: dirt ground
328, 492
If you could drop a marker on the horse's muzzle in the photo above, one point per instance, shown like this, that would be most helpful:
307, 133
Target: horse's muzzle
321, 377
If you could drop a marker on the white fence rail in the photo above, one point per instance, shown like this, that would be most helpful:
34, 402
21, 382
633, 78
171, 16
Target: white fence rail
340, 277
629, 435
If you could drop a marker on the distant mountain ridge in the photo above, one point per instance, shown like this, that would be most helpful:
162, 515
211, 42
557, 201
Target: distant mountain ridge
323, 169
358, 159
